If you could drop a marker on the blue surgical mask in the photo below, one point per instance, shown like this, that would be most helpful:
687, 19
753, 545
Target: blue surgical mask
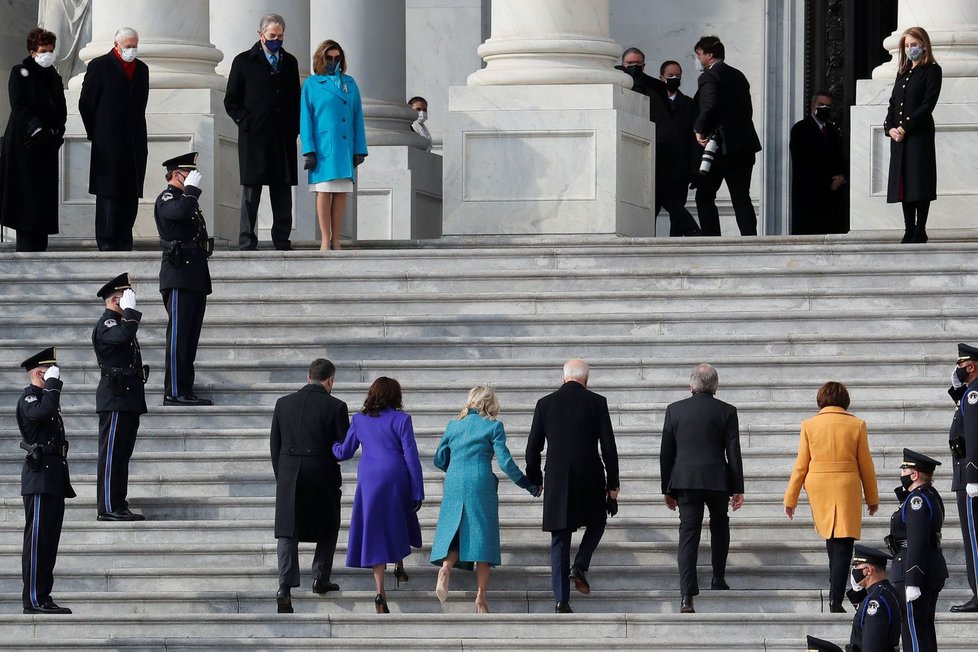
331, 68
273, 45
915, 52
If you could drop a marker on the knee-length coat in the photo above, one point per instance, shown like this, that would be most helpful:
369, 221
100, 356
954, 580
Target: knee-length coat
913, 161
835, 466
331, 125
470, 504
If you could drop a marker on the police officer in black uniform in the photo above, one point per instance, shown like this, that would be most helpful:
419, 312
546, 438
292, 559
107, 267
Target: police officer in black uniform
185, 280
44, 481
964, 453
120, 397
919, 568
821, 645
878, 619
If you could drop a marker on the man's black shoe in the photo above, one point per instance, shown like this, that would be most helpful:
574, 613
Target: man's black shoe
971, 606
580, 580
121, 515
719, 584
563, 608
686, 606
284, 599
836, 608
189, 399
324, 586
47, 608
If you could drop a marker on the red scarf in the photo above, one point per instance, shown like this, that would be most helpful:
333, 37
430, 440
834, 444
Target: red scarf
128, 66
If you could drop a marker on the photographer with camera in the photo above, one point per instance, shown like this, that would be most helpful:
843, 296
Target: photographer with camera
725, 113
44, 480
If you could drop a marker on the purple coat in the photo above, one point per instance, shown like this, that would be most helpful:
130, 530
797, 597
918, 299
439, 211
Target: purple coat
384, 526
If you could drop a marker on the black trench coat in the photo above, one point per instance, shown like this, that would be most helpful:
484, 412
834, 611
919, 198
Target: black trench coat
914, 160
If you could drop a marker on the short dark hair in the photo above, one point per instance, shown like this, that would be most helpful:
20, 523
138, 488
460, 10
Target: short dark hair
710, 45
383, 393
416, 98
38, 37
632, 51
321, 369
833, 394
821, 93
666, 64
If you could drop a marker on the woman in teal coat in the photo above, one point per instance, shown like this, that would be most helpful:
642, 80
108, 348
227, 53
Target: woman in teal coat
468, 523
333, 138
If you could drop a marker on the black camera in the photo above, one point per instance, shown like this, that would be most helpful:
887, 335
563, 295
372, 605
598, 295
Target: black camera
709, 154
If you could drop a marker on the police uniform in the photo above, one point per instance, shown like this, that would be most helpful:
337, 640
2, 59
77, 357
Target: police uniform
185, 281
44, 484
963, 441
915, 541
821, 645
877, 622
119, 401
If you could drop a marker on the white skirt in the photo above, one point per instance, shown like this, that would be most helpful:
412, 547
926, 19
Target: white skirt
333, 185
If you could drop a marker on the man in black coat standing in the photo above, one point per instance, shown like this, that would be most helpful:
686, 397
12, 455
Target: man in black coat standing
574, 423
112, 105
44, 480
701, 465
726, 114
307, 478
817, 172
262, 98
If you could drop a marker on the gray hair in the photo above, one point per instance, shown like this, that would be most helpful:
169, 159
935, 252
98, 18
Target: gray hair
575, 369
632, 51
704, 379
270, 19
125, 32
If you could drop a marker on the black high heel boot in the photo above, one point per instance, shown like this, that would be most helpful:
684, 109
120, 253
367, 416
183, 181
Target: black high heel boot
380, 604
908, 222
920, 233
400, 575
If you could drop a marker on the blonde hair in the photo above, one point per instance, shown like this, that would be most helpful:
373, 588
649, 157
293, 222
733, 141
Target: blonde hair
319, 58
921, 35
483, 400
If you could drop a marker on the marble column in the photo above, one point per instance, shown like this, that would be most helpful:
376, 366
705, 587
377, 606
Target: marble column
547, 138
185, 113
953, 29
399, 185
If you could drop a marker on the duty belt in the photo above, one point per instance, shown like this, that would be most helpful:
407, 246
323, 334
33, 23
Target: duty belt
114, 372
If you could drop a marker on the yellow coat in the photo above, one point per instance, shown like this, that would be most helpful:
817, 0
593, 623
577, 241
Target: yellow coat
833, 461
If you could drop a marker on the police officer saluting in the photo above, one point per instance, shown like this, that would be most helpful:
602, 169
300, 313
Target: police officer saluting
185, 280
120, 397
879, 615
964, 452
919, 569
44, 481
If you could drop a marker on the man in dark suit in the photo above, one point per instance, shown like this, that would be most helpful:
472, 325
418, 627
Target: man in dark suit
44, 480
701, 465
574, 423
263, 100
307, 491
725, 113
675, 187
817, 172
112, 105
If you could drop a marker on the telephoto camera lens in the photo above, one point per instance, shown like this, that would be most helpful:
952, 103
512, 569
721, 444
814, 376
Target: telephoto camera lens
709, 153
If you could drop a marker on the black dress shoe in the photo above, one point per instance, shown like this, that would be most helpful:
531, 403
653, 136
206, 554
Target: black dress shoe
580, 580
719, 584
133, 516
324, 586
284, 599
121, 515
686, 606
189, 400
836, 608
47, 608
971, 606
563, 608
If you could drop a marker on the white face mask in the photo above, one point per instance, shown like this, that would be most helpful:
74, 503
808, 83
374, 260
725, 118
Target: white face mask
422, 116
698, 64
129, 54
44, 59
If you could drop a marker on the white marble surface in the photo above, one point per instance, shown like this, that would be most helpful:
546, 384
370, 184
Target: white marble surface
399, 195
951, 25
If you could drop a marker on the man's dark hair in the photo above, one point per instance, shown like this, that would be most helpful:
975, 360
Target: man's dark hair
666, 64
710, 45
632, 51
416, 98
321, 369
383, 393
821, 93
38, 37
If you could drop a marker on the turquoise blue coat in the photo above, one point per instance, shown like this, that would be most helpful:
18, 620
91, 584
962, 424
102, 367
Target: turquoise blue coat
470, 506
331, 126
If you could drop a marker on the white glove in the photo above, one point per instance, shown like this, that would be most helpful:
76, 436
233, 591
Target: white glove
854, 584
955, 381
193, 179
54, 372
913, 593
128, 300
972, 489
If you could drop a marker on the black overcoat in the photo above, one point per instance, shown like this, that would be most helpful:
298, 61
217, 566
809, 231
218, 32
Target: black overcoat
265, 106
113, 109
724, 105
816, 157
573, 422
914, 159
121, 387
39, 420
700, 446
29, 165
178, 218
307, 477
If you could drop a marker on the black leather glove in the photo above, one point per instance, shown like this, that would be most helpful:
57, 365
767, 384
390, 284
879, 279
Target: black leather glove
358, 159
310, 159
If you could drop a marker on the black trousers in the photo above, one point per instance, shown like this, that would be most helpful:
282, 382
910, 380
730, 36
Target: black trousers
560, 545
185, 316
114, 219
691, 507
116, 440
671, 191
288, 559
735, 170
919, 633
968, 515
31, 241
840, 560
281, 197
42, 532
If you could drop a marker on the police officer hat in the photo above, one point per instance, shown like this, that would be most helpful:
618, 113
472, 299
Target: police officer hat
182, 162
865, 555
819, 645
45, 358
121, 282
914, 460
966, 352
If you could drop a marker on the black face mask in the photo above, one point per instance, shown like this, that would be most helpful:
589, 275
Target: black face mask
634, 69
906, 481
672, 83
858, 575
962, 374
823, 113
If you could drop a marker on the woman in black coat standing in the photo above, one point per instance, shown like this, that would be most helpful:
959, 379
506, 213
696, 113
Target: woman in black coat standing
910, 126
35, 133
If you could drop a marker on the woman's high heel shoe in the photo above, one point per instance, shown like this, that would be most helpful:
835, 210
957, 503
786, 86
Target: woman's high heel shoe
380, 604
400, 575
441, 587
